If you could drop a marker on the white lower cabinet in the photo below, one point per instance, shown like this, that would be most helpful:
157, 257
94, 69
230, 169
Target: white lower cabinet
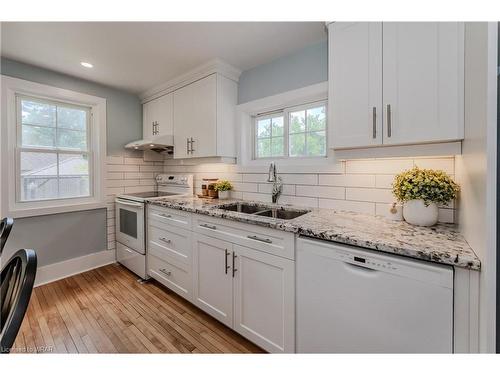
213, 285
245, 283
264, 299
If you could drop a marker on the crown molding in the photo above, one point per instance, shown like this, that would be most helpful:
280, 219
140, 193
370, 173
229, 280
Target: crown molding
210, 67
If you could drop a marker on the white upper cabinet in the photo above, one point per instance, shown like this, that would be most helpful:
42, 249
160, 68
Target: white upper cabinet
395, 83
355, 84
204, 118
423, 82
158, 118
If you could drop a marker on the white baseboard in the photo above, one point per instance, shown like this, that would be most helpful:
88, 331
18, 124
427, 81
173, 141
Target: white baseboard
66, 268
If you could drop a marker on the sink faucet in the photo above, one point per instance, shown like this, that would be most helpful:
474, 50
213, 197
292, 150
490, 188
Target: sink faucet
276, 180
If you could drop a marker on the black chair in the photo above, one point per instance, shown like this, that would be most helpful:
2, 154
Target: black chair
5, 227
16, 285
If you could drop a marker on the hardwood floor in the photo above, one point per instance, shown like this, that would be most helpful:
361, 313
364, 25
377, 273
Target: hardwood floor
107, 311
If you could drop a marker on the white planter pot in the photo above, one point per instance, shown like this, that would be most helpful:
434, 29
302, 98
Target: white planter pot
417, 213
224, 194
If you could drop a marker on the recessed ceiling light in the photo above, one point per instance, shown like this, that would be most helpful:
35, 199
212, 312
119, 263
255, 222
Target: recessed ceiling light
86, 64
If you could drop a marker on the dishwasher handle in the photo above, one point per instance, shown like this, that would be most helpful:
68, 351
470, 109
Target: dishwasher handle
359, 267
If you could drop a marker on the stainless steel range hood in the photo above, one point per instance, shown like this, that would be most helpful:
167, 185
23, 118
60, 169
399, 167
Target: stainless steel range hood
158, 144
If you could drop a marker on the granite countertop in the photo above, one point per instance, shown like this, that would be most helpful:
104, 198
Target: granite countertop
441, 243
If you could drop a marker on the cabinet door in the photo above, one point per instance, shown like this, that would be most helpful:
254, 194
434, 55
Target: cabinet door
423, 79
264, 299
164, 115
148, 119
355, 84
213, 286
183, 121
203, 128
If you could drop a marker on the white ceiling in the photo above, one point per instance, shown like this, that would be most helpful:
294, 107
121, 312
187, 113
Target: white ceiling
136, 56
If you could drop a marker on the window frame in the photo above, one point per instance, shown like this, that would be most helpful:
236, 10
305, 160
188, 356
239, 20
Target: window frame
55, 150
13, 89
285, 112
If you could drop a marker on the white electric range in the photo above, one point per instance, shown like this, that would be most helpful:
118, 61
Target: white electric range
130, 220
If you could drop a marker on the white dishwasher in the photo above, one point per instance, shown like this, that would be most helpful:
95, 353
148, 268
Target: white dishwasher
351, 300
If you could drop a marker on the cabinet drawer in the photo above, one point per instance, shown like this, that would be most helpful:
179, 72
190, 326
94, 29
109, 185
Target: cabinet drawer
166, 240
131, 259
171, 275
271, 241
170, 216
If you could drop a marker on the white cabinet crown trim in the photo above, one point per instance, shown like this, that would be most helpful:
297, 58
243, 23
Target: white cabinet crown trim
210, 67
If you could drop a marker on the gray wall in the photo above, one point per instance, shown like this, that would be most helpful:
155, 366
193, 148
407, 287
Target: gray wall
69, 235
59, 237
124, 110
299, 69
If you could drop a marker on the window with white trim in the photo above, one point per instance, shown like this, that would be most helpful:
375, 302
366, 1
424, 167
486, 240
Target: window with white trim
296, 132
53, 150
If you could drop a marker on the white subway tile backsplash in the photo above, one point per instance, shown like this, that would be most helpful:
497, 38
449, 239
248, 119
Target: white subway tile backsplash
254, 177
369, 195
331, 192
352, 180
354, 185
378, 166
446, 215
123, 168
245, 186
150, 168
268, 188
116, 183
256, 197
114, 175
299, 201
444, 164
114, 160
343, 205
299, 179
384, 181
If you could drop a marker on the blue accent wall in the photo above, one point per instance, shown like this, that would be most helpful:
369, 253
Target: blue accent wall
302, 68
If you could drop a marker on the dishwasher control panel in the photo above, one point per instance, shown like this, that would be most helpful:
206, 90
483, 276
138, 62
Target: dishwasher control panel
367, 262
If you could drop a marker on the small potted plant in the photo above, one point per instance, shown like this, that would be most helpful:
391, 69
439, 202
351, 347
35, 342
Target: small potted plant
420, 190
223, 187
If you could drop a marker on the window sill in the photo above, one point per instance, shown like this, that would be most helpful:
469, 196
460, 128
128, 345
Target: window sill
28, 210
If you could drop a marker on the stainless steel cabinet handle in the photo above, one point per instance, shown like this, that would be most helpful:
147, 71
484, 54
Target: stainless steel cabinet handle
374, 122
234, 258
166, 240
209, 226
192, 141
389, 121
157, 130
165, 215
226, 267
153, 127
266, 240
163, 270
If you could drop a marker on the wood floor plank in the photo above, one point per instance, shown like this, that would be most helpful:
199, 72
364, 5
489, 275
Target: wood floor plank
153, 314
178, 310
107, 311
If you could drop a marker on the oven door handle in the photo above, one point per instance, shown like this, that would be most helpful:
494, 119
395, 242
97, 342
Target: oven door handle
126, 203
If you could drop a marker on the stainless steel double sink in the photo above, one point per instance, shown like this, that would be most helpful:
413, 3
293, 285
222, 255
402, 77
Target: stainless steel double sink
262, 210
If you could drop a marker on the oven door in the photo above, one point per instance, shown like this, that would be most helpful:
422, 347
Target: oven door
129, 219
